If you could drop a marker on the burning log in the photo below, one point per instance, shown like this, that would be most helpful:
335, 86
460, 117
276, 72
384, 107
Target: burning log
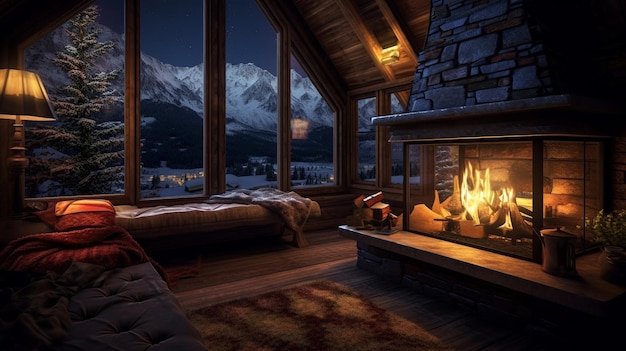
438, 207
497, 219
468, 228
520, 226
508, 219
473, 210
453, 203
424, 219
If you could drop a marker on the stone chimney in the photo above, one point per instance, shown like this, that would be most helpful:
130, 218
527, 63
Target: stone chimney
487, 51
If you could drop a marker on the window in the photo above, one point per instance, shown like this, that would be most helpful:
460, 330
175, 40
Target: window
251, 97
312, 133
172, 98
253, 111
156, 138
83, 151
398, 105
366, 109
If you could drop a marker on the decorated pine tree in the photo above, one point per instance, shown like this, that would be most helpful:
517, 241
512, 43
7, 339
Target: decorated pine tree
88, 154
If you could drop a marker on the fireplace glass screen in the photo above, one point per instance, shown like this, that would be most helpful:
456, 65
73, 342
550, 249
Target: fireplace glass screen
498, 196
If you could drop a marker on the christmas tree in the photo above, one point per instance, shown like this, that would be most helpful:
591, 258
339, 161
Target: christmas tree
88, 157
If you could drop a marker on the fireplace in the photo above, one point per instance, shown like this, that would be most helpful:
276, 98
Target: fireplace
507, 125
494, 180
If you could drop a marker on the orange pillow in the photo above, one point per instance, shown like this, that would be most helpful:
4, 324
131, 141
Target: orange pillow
80, 214
77, 206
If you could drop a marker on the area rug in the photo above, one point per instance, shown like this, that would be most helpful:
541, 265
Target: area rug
322, 315
180, 268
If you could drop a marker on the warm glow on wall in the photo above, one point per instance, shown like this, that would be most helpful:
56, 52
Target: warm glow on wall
390, 55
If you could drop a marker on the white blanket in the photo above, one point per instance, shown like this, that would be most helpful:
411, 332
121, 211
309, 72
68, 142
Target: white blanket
291, 207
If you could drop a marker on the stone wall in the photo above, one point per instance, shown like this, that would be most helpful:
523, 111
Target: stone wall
481, 51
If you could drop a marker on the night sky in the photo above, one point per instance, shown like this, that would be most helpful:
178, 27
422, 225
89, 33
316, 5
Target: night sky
171, 30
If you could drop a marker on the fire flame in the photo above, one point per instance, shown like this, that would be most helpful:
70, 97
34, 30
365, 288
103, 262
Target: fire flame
480, 201
507, 197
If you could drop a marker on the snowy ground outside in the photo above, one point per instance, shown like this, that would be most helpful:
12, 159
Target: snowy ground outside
175, 182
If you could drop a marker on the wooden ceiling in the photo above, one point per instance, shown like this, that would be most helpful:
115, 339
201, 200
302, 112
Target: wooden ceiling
351, 33
21, 20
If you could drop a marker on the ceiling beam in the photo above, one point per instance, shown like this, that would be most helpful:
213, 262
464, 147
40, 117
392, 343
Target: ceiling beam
368, 40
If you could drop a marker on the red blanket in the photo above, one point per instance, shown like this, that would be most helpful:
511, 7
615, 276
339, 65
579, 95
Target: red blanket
110, 246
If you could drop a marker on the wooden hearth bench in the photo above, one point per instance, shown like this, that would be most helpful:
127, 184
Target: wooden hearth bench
404, 256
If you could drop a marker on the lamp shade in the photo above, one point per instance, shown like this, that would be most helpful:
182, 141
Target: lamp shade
22, 94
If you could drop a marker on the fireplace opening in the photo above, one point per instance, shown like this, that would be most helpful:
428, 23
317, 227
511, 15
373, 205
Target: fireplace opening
498, 195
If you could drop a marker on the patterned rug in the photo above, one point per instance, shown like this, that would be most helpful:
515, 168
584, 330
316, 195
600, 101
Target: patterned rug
318, 316
180, 268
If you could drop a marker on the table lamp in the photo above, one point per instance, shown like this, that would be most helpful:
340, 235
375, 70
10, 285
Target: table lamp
22, 98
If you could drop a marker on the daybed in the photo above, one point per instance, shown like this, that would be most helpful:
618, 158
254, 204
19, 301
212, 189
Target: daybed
236, 214
88, 286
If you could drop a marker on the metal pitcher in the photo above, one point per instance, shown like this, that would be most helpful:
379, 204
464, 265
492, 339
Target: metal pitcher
559, 253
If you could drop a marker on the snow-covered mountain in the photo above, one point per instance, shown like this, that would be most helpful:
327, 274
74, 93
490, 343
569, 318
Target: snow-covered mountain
251, 101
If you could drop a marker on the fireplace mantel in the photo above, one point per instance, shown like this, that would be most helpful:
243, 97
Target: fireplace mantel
555, 116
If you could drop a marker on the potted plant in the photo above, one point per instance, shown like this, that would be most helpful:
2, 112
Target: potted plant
610, 231
609, 228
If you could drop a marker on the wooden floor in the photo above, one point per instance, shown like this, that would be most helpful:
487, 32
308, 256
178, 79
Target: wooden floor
247, 269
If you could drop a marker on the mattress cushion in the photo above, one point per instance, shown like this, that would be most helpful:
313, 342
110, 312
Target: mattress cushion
132, 309
159, 221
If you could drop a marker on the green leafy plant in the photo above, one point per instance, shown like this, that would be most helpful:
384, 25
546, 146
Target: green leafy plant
609, 228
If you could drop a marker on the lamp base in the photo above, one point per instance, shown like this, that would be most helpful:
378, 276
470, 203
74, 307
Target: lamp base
16, 186
17, 163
